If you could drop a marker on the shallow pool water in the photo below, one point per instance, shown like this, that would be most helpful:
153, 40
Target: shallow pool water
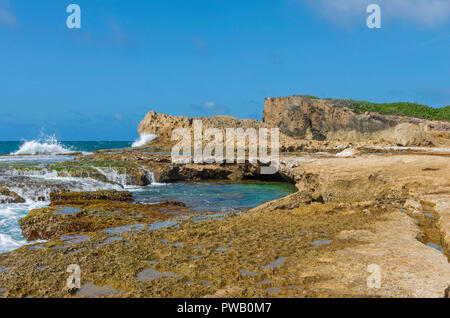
203, 196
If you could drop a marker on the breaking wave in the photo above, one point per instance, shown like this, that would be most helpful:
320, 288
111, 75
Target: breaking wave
143, 140
49, 145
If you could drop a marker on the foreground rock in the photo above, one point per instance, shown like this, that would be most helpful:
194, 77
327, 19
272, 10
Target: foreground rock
323, 241
76, 198
84, 212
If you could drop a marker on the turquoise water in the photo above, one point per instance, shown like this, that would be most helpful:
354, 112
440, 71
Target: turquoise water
216, 196
197, 196
9, 147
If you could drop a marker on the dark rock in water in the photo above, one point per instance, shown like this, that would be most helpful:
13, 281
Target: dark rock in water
173, 203
81, 197
89, 216
8, 196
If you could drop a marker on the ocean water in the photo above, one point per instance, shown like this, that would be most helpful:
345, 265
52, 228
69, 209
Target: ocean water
197, 196
50, 145
217, 196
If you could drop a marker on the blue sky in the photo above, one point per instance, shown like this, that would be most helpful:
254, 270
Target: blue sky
208, 57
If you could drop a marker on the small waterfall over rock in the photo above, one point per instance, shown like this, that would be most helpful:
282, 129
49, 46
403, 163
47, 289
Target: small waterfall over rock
112, 175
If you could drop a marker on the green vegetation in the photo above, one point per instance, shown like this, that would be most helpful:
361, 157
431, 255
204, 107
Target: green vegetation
89, 165
310, 96
400, 108
403, 109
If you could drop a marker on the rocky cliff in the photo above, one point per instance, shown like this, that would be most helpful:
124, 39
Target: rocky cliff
319, 119
311, 124
163, 125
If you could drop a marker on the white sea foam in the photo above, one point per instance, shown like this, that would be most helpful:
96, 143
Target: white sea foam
48, 145
36, 185
143, 140
10, 232
112, 175
7, 243
151, 176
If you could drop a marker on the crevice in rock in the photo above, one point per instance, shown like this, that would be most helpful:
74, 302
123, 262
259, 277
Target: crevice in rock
427, 220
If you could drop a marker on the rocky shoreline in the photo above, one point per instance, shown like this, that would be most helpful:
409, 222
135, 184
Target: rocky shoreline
373, 198
317, 242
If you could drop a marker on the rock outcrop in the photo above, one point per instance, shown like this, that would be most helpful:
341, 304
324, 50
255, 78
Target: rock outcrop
163, 125
319, 242
303, 119
84, 212
8, 196
320, 119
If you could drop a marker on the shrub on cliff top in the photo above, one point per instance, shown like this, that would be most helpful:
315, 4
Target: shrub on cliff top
401, 108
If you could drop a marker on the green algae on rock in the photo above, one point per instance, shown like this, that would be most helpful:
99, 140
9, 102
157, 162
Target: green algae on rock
75, 198
80, 212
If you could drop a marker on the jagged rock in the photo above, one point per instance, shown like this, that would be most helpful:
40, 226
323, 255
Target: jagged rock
412, 204
8, 196
320, 119
329, 208
163, 125
349, 152
406, 134
172, 203
85, 197
54, 221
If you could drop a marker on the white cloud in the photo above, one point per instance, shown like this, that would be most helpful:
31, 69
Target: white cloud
428, 13
210, 108
7, 16
209, 105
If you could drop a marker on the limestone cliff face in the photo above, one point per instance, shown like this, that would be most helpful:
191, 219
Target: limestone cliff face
163, 125
320, 119
303, 120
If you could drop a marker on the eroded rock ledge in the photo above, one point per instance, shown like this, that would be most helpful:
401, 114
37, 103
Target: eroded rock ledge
326, 119
317, 242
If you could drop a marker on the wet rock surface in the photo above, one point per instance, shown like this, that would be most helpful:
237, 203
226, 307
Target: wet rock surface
8, 196
83, 198
317, 242
93, 211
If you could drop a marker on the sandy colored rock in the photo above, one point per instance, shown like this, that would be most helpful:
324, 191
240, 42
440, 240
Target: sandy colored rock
321, 119
323, 233
414, 205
